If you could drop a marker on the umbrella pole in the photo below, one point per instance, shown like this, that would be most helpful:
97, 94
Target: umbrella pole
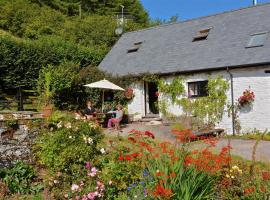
102, 107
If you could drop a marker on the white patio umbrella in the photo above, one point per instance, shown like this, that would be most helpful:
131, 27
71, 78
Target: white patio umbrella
104, 85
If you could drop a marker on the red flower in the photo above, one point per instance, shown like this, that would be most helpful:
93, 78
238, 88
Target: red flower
157, 94
129, 93
120, 157
160, 191
266, 176
135, 155
149, 134
249, 190
132, 139
128, 157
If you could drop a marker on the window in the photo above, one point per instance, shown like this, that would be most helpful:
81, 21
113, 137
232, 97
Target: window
135, 47
197, 89
257, 40
202, 35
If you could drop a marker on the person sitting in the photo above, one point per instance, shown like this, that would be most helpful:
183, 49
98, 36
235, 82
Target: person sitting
119, 113
90, 110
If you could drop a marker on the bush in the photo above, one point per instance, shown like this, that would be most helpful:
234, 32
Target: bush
69, 146
20, 179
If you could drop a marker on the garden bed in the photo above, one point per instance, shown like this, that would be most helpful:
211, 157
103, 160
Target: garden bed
74, 160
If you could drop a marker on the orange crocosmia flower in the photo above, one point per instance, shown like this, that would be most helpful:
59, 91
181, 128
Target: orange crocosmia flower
266, 176
158, 173
128, 157
149, 134
212, 142
172, 175
160, 191
135, 155
156, 155
132, 139
249, 190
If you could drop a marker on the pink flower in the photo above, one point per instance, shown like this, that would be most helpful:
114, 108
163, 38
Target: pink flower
93, 172
91, 195
88, 165
74, 187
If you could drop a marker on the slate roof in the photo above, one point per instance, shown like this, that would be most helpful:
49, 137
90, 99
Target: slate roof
169, 48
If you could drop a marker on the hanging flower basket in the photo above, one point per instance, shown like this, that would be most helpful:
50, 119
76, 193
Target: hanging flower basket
247, 98
129, 93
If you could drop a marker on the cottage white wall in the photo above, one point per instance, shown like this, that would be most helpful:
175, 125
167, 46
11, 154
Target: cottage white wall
258, 117
137, 105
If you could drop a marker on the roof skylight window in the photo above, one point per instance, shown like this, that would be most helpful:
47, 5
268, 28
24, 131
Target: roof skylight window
135, 47
202, 35
257, 40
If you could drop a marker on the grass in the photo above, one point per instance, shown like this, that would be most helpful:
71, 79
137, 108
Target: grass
253, 136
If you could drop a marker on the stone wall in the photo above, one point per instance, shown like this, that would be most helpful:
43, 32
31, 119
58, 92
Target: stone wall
15, 143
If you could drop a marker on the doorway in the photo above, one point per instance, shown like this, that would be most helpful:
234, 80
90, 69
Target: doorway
151, 99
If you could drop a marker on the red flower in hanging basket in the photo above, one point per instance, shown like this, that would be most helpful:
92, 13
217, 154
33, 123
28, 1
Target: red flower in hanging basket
247, 98
129, 93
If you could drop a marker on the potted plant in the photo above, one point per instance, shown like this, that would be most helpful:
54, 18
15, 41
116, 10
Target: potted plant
45, 92
129, 93
247, 98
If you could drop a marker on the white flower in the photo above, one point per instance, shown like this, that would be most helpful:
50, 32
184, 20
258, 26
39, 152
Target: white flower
56, 181
135, 196
70, 137
59, 125
235, 167
68, 125
74, 187
90, 140
227, 175
232, 177
102, 151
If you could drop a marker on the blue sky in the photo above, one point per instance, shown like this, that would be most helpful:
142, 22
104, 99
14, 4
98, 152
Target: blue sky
188, 9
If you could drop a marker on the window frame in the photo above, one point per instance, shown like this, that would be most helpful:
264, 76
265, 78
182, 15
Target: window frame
202, 35
255, 34
135, 48
200, 91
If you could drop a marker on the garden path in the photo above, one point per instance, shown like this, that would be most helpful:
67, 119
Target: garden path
240, 147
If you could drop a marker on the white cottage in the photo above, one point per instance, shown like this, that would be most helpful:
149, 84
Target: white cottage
233, 44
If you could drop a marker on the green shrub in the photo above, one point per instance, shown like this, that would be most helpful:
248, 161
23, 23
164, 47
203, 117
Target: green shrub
20, 178
68, 147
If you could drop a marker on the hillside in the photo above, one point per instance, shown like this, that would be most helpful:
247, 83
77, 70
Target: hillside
37, 33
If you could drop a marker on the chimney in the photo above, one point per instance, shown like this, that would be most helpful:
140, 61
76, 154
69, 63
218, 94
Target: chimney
254, 2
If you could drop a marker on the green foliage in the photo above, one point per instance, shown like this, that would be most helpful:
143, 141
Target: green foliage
22, 59
19, 179
65, 149
208, 110
121, 173
50, 32
173, 89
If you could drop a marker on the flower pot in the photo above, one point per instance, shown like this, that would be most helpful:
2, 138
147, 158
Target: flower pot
47, 111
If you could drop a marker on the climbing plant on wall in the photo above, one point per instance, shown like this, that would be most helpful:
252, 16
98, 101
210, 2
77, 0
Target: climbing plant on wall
209, 109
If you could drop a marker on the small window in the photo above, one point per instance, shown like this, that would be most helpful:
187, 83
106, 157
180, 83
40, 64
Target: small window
202, 35
197, 89
257, 40
135, 47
